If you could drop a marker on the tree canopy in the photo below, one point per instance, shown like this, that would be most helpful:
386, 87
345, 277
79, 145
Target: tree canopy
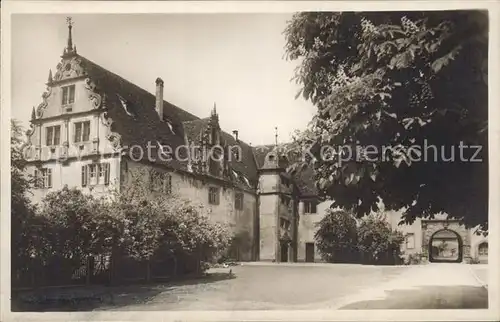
414, 82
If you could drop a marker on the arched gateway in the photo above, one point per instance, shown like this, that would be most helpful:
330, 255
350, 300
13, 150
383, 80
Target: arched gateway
445, 241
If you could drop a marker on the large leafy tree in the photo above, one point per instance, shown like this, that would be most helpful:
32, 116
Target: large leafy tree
405, 87
26, 227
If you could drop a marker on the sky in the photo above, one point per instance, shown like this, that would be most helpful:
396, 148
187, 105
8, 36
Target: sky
235, 60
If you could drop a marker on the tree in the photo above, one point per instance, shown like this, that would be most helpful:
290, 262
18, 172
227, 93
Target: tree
80, 224
378, 243
165, 225
409, 81
336, 236
26, 228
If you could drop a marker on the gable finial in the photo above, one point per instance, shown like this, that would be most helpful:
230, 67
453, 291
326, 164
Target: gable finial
214, 111
33, 113
69, 21
50, 76
70, 49
276, 135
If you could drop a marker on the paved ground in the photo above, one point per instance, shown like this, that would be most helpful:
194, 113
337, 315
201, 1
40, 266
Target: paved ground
271, 287
433, 286
304, 286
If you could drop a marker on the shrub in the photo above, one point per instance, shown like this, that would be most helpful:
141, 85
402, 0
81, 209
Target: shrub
336, 236
377, 242
413, 259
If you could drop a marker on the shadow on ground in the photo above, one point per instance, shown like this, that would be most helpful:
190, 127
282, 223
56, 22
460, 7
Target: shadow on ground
94, 297
428, 297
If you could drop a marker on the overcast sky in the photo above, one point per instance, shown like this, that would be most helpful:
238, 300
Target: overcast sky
235, 60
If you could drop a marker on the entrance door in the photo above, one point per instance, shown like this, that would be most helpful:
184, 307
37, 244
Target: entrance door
310, 252
284, 252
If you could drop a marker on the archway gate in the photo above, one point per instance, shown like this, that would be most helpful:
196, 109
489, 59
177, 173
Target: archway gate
431, 226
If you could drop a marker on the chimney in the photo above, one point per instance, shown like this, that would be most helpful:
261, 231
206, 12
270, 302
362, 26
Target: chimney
159, 98
235, 132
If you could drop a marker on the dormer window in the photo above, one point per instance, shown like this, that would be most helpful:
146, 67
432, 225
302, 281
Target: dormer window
53, 135
68, 95
82, 132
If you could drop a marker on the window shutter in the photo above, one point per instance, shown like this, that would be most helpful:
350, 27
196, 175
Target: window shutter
106, 173
37, 178
77, 134
84, 175
49, 178
86, 131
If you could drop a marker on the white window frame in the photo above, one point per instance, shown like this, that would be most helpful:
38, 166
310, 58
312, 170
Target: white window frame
80, 138
43, 178
66, 99
52, 139
95, 173
308, 205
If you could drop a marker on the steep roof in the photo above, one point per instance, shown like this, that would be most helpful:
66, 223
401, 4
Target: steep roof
132, 110
135, 119
243, 165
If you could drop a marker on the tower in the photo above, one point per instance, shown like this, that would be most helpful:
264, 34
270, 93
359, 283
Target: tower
276, 210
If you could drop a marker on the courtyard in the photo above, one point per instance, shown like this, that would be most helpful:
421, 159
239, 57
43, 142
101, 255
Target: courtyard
268, 286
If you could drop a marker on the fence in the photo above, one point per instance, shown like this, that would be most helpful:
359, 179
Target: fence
93, 270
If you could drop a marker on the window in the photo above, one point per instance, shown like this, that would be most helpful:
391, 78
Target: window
96, 173
285, 200
285, 224
92, 174
238, 201
213, 196
310, 207
53, 135
82, 132
160, 182
68, 95
410, 241
483, 249
43, 178
213, 167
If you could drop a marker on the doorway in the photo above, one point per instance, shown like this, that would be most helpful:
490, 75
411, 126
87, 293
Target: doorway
310, 252
446, 246
284, 252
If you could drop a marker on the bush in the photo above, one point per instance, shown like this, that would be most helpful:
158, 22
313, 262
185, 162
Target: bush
377, 242
336, 237
413, 259
159, 225
133, 226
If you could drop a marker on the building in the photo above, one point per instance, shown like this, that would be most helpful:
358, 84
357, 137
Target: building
93, 128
